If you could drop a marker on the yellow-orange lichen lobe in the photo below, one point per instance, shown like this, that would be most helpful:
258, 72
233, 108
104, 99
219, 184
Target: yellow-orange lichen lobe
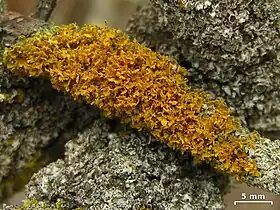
125, 79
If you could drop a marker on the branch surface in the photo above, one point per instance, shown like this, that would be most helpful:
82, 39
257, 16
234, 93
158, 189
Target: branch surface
3, 6
44, 9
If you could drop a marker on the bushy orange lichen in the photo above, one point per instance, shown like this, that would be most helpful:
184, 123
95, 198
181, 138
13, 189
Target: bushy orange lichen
124, 79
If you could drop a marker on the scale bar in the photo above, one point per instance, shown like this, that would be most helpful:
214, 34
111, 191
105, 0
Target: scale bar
269, 202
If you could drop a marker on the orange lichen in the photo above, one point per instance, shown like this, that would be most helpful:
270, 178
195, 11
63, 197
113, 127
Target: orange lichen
124, 79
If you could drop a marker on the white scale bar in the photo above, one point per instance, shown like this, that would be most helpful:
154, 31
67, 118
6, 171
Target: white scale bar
269, 202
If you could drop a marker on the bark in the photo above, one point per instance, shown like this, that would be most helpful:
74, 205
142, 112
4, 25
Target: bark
44, 9
35, 120
3, 6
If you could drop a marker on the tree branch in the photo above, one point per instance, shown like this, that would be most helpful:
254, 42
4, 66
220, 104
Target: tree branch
3, 6
44, 9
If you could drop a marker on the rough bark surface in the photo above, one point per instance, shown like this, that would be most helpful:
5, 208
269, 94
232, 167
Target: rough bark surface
34, 119
230, 47
44, 9
33, 116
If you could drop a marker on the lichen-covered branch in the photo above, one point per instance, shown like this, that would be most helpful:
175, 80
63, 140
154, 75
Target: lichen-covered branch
126, 80
142, 88
44, 9
104, 67
231, 49
35, 120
